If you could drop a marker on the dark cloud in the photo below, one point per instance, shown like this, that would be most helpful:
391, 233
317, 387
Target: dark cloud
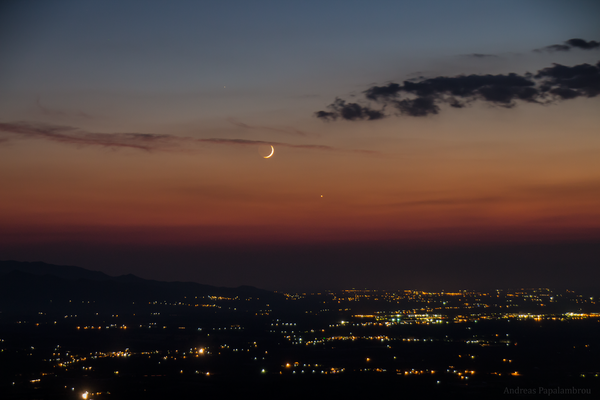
421, 97
582, 44
325, 115
570, 44
418, 107
349, 112
554, 47
565, 94
469, 86
479, 55
140, 141
386, 92
571, 82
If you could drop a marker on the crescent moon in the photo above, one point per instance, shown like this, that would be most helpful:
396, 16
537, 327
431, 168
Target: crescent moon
272, 152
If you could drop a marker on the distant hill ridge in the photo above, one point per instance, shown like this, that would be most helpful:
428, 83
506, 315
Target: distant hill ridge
74, 273
60, 271
34, 282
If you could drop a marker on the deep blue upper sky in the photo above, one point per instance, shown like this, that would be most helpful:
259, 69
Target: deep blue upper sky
178, 46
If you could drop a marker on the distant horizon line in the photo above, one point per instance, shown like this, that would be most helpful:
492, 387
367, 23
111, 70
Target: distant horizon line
6, 270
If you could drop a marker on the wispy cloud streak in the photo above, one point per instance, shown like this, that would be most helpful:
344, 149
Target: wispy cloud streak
140, 141
453, 201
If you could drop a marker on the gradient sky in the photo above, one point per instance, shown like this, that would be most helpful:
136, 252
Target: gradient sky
130, 136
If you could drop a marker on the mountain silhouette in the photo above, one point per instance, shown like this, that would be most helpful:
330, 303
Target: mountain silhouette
27, 285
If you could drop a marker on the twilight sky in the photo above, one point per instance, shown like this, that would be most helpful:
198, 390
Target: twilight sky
424, 144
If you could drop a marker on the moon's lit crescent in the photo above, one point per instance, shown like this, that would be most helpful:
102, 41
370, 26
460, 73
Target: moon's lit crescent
272, 152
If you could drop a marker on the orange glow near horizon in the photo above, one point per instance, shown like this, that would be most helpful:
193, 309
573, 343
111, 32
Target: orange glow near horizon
431, 186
